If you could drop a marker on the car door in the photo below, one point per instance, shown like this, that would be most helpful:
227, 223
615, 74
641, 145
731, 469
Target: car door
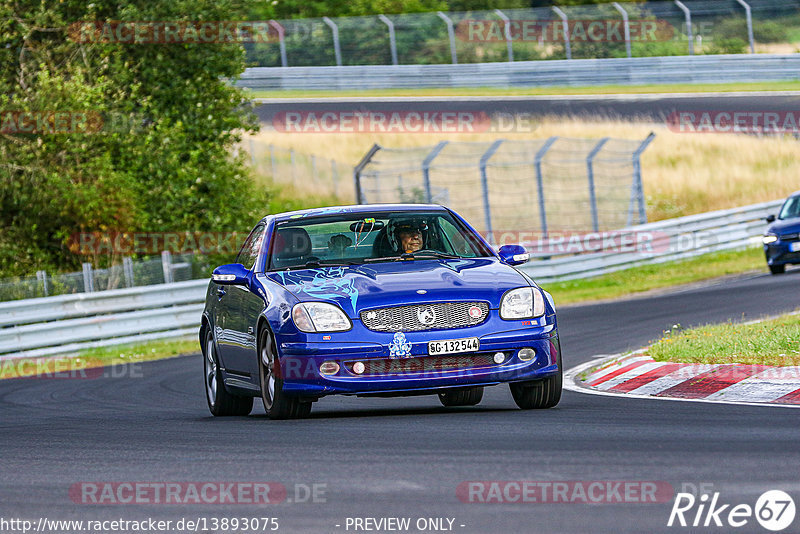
243, 308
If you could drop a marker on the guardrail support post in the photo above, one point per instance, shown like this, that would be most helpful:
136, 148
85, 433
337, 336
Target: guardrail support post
392, 40
626, 25
281, 41
88, 278
565, 21
335, 31
293, 165
590, 176
537, 163
166, 266
426, 166
41, 276
688, 15
335, 178
749, 15
359, 168
451, 34
127, 271
637, 189
507, 25
487, 210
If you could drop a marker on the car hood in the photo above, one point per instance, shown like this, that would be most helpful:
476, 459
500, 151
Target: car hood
355, 288
786, 226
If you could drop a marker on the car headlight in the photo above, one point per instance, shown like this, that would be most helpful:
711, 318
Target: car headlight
320, 317
769, 238
522, 303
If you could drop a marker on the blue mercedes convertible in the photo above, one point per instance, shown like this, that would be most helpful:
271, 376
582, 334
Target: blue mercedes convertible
375, 300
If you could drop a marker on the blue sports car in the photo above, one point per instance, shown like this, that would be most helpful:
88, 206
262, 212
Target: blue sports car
782, 238
375, 300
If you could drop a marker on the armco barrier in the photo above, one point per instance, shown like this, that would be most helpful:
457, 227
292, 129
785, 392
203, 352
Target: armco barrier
68, 323
573, 72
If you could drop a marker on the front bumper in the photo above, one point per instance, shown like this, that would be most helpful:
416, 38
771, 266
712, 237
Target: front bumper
301, 360
781, 253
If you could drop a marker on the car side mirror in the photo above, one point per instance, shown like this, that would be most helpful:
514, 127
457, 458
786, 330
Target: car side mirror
513, 254
770, 218
230, 274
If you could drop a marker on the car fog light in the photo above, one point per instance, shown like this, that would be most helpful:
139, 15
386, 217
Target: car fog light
358, 368
526, 354
329, 368
499, 357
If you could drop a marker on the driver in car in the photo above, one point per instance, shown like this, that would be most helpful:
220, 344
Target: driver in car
409, 235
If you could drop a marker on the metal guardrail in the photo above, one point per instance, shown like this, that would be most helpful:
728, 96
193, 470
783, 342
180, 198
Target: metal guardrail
576, 72
667, 240
69, 323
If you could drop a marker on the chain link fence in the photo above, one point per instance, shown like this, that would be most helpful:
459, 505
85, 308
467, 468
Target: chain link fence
168, 268
539, 185
641, 29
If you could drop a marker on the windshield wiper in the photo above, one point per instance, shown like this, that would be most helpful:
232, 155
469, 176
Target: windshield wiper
316, 263
427, 253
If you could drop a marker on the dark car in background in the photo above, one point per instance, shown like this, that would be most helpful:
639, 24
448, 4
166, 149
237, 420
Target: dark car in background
782, 238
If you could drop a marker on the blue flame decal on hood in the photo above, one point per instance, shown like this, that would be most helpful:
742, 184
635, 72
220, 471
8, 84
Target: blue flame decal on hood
326, 284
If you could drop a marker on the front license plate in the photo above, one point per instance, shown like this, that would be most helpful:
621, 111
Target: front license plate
451, 346
794, 247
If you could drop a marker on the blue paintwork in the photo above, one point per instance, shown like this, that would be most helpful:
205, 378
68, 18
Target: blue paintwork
779, 253
266, 300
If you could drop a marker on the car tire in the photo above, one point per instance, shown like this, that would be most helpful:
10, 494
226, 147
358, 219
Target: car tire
277, 404
220, 401
462, 396
777, 269
539, 394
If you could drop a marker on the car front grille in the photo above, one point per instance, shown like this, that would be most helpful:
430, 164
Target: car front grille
433, 316
426, 364
790, 237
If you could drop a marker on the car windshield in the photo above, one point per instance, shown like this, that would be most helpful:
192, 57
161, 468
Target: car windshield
356, 238
791, 208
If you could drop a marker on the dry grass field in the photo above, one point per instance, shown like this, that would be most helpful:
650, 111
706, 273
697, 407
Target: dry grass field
683, 173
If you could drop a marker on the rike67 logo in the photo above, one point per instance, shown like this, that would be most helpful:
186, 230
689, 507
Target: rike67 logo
774, 510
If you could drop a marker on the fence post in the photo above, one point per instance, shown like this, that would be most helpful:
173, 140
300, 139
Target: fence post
749, 15
426, 165
507, 25
336, 48
451, 34
487, 211
41, 276
281, 41
626, 25
166, 266
127, 270
88, 278
637, 189
688, 15
392, 40
537, 163
273, 162
565, 22
360, 167
590, 176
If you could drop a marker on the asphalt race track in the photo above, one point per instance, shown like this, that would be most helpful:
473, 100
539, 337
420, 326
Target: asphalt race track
644, 107
406, 457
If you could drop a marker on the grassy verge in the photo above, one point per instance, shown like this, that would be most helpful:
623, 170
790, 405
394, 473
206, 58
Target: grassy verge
648, 277
73, 366
540, 91
772, 342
